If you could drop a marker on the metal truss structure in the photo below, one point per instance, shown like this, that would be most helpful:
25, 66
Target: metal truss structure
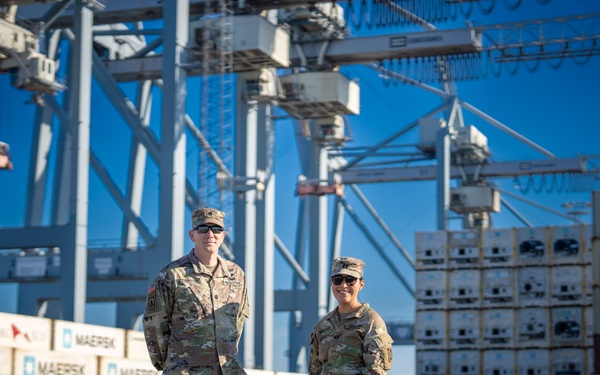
149, 50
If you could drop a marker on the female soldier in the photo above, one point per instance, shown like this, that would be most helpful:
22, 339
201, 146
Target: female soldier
351, 339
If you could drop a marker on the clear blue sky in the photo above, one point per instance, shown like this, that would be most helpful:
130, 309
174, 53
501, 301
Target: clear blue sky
557, 109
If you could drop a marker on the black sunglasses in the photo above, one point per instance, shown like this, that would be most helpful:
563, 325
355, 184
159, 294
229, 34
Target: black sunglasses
337, 280
206, 228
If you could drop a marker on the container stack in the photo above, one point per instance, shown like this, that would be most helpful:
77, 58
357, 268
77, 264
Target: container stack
33, 345
504, 301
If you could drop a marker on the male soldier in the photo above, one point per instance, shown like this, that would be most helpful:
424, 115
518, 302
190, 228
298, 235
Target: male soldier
197, 305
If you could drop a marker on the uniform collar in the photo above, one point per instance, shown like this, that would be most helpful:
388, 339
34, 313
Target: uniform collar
220, 271
356, 314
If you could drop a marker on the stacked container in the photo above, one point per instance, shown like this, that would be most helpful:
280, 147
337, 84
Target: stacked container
505, 301
432, 328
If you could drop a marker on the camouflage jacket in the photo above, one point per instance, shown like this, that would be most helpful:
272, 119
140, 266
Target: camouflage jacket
358, 344
193, 322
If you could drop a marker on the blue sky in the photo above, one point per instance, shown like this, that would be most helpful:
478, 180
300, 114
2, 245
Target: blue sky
556, 108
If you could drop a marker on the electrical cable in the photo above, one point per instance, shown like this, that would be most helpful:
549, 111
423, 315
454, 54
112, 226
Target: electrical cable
487, 10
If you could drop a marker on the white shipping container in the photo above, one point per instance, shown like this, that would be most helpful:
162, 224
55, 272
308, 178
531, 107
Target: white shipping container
431, 362
39, 362
567, 244
465, 362
88, 339
431, 330
567, 326
431, 249
498, 247
463, 249
136, 345
499, 362
6, 361
431, 289
532, 246
464, 329
587, 244
567, 285
498, 328
588, 323
114, 366
533, 362
533, 327
588, 284
533, 288
498, 287
25, 332
465, 289
568, 361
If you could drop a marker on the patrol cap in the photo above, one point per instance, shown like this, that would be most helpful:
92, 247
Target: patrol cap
202, 216
347, 266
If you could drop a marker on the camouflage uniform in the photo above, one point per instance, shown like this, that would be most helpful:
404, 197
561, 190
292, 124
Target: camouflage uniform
358, 344
193, 321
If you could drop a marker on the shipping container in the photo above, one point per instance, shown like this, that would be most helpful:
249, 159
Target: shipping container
464, 328
41, 362
588, 323
465, 362
431, 250
431, 362
589, 361
25, 332
464, 248
567, 285
587, 244
533, 327
498, 328
431, 331
566, 244
532, 246
588, 284
568, 361
431, 289
498, 287
498, 247
499, 362
567, 326
114, 366
136, 345
465, 289
533, 286
6, 361
533, 362
90, 339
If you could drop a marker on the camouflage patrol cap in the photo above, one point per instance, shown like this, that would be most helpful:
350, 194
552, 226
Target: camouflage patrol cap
347, 266
202, 216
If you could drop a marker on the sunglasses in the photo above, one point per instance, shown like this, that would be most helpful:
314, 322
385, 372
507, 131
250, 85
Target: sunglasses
337, 280
206, 228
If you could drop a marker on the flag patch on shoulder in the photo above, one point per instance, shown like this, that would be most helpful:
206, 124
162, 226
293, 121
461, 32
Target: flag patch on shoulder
151, 288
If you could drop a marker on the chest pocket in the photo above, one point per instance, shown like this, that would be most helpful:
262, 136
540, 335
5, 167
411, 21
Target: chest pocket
346, 346
326, 341
232, 291
192, 299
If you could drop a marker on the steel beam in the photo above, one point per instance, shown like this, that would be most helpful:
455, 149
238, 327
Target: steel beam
117, 11
427, 173
350, 51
